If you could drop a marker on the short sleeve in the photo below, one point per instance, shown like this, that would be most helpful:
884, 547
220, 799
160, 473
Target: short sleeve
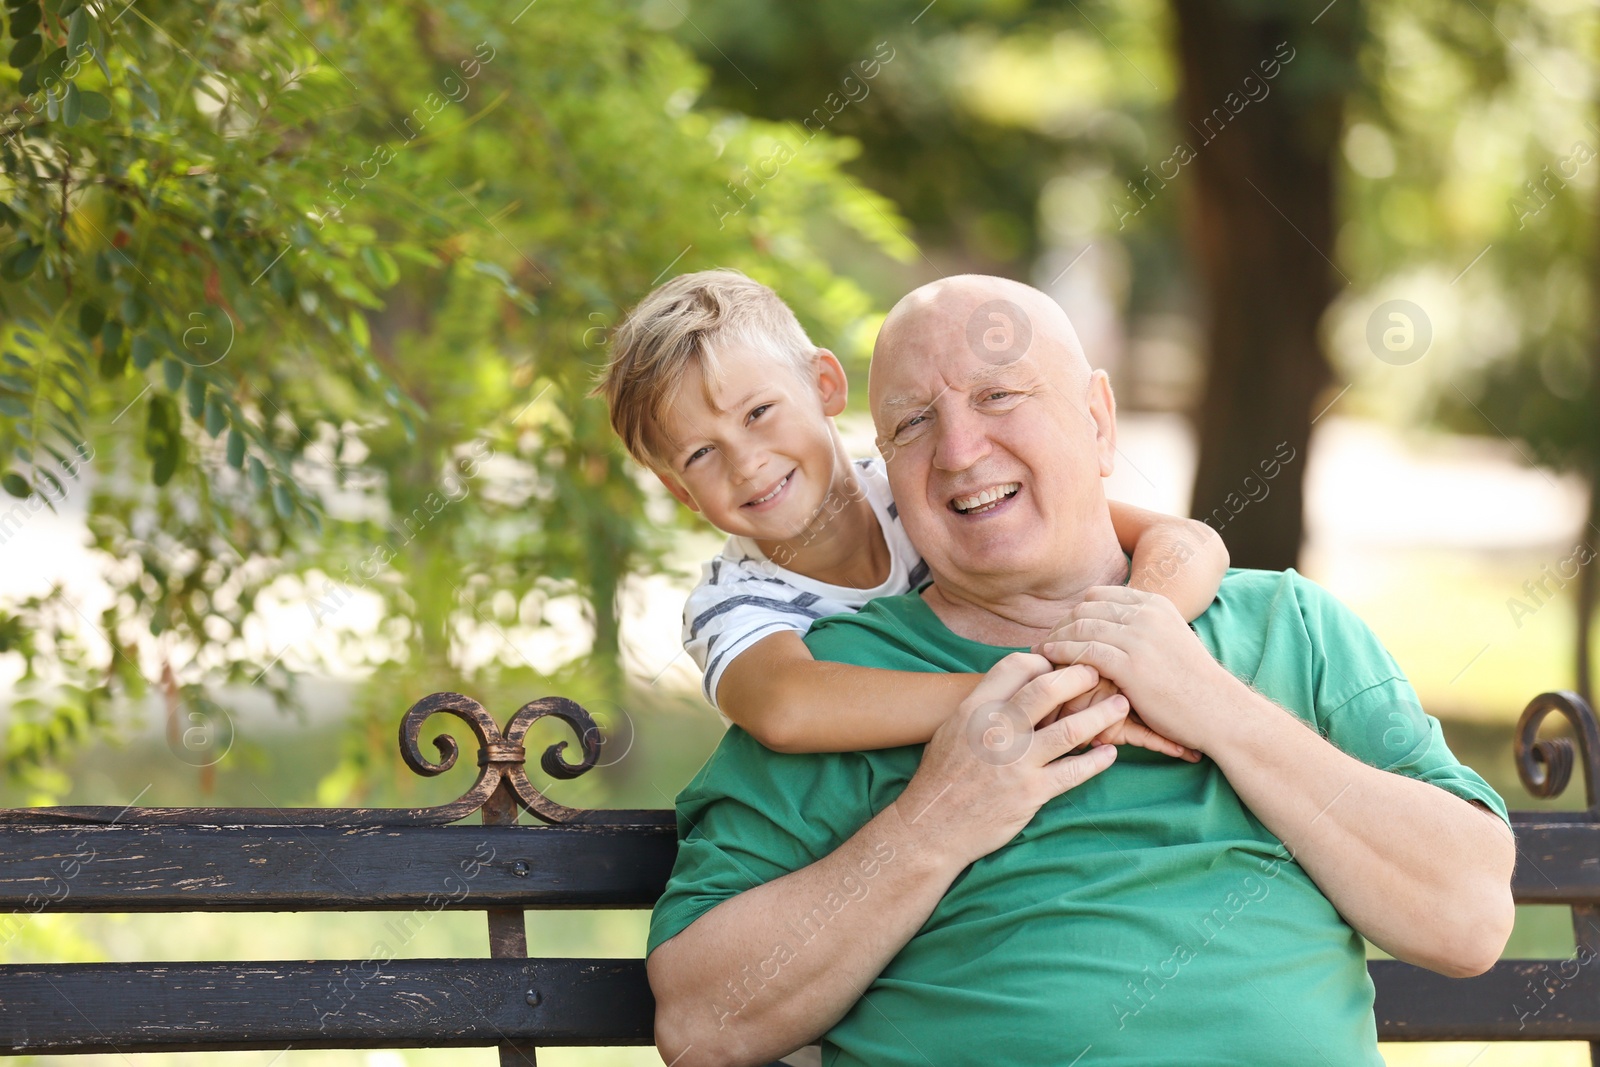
1366, 707
744, 820
732, 609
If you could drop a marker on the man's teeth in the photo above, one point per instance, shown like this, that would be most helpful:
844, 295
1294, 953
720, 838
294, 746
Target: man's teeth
778, 489
985, 500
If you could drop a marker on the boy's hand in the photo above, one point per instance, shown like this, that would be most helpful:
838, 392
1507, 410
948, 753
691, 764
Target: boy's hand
1129, 731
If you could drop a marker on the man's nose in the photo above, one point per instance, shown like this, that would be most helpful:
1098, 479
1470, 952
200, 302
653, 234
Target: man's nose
962, 442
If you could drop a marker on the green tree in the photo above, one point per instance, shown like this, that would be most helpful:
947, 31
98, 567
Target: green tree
314, 296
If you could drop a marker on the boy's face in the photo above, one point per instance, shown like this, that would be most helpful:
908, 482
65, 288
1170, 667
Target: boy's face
759, 460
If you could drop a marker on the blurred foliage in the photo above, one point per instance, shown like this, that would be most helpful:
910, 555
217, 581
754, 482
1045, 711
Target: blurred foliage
308, 299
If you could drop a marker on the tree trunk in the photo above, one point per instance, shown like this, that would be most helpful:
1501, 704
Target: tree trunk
1260, 227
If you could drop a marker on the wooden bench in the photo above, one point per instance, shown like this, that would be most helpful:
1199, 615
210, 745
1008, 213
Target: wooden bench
422, 860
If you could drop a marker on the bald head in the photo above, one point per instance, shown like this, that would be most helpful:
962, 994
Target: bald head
996, 435
999, 320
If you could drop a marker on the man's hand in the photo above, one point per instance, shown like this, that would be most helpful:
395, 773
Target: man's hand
1130, 731
1140, 642
990, 766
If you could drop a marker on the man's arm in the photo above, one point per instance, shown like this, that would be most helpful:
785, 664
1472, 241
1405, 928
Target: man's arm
1421, 873
791, 702
1182, 559
961, 804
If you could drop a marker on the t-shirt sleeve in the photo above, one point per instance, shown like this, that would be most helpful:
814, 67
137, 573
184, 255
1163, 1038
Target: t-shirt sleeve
1366, 707
741, 824
732, 609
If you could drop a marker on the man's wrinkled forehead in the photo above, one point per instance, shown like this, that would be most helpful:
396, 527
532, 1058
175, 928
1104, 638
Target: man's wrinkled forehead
916, 384
962, 332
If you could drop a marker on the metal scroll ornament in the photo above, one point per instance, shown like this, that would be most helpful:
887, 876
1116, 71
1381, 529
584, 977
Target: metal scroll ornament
500, 764
1545, 765
501, 755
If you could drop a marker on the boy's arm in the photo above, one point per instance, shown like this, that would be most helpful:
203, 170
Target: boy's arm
1182, 559
791, 702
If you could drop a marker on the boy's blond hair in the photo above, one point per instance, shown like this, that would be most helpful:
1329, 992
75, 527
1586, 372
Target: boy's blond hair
682, 324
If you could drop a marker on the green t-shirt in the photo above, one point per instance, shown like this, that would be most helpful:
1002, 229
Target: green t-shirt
1145, 917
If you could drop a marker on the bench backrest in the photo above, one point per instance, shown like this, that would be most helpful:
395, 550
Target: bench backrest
416, 861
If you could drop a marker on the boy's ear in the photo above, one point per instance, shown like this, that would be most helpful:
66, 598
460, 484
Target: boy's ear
676, 488
832, 385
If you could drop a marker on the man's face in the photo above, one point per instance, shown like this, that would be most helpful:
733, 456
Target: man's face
995, 462
757, 458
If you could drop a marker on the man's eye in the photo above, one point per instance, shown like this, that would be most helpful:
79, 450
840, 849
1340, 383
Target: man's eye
998, 393
910, 424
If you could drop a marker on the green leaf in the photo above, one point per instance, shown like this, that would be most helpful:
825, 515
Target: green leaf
14, 484
7, 216
96, 106
25, 20
195, 389
258, 473
71, 107
216, 416
111, 334
163, 442
91, 317
25, 50
172, 373
144, 351
77, 31
113, 360
67, 7
282, 500
14, 408
20, 262
135, 309
282, 282
381, 265
235, 449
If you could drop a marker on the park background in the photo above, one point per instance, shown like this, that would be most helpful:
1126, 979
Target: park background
300, 305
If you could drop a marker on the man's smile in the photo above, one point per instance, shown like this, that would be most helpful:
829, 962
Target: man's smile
985, 500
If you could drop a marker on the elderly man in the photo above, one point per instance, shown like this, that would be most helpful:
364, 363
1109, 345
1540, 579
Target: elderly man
992, 897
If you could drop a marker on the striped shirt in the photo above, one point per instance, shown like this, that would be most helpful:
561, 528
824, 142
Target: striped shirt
743, 596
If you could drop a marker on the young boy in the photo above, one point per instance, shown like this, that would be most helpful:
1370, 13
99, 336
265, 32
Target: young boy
714, 386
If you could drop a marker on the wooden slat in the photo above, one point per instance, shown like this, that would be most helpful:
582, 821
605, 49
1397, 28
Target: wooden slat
280, 868
1516, 1000
114, 1007
1557, 863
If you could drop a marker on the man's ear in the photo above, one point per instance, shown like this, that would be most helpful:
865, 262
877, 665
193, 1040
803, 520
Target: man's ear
832, 385
677, 489
1103, 412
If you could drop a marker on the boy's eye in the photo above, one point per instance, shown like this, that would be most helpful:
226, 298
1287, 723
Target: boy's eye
757, 412
696, 454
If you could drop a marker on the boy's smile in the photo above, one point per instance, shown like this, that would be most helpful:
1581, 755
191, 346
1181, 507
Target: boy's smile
753, 449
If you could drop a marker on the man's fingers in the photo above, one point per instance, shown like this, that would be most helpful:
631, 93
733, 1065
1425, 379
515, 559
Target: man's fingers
1070, 731
1101, 655
1050, 690
1120, 594
1068, 772
1010, 675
